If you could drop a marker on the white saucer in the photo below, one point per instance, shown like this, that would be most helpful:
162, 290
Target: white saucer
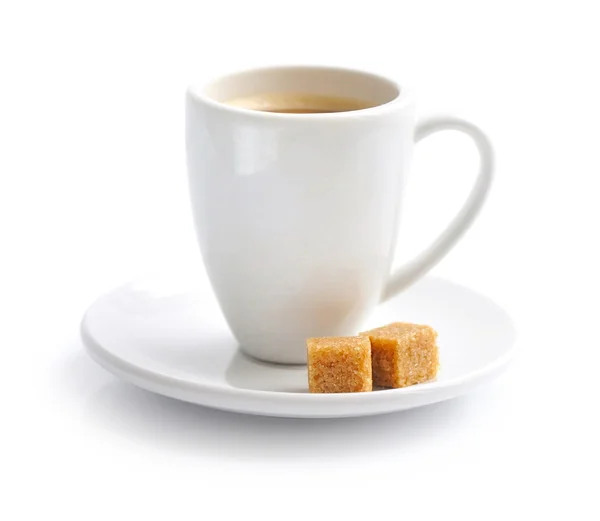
169, 337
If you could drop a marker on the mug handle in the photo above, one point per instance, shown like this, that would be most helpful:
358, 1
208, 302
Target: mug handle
422, 263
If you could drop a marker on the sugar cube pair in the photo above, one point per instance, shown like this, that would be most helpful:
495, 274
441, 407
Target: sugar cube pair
396, 355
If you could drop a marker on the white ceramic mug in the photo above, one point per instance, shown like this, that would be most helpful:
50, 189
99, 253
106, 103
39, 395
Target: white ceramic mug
296, 214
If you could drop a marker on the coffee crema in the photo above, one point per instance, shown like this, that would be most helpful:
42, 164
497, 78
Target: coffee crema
299, 103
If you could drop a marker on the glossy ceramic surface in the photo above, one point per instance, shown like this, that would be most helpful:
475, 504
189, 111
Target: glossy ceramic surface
296, 214
169, 337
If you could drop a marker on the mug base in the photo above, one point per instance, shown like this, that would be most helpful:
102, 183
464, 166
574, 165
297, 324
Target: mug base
257, 353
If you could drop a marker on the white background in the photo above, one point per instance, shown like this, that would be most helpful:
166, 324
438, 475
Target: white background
93, 193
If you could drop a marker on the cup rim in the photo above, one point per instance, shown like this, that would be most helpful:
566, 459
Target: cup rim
403, 98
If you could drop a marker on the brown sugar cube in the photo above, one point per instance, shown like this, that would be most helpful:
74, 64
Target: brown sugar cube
403, 354
339, 364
